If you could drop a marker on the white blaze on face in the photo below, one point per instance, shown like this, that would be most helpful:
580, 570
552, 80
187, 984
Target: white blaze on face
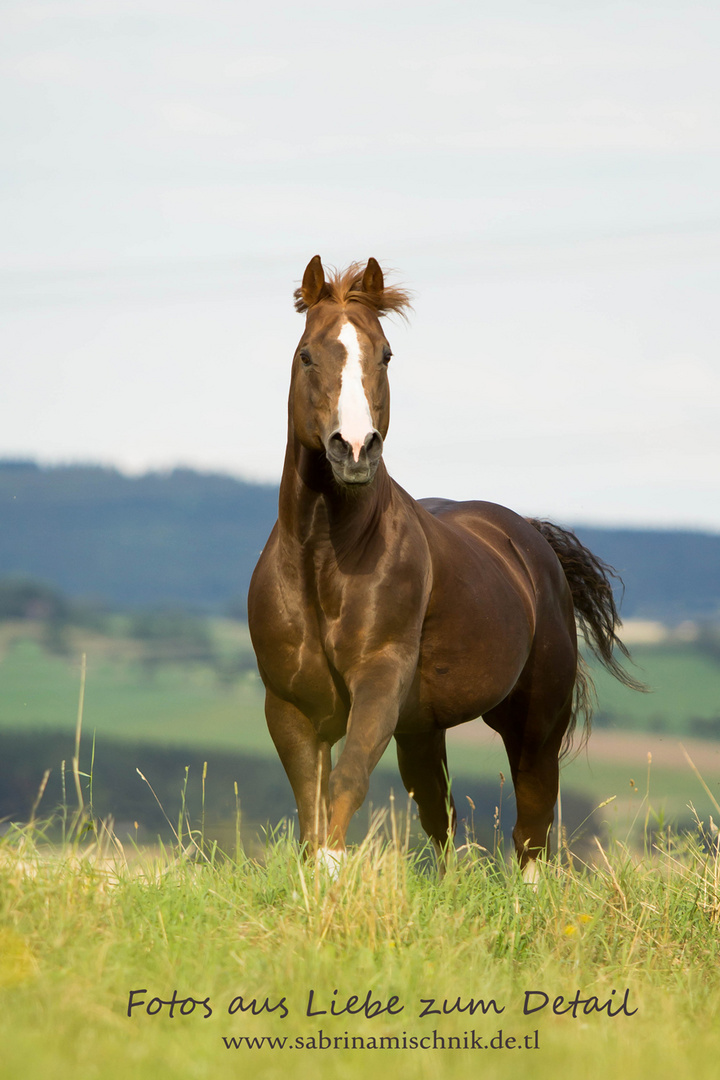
354, 417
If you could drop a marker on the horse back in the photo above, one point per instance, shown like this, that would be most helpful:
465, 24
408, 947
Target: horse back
501, 535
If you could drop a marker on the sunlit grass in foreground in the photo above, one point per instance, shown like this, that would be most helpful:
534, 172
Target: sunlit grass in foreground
86, 921
610, 968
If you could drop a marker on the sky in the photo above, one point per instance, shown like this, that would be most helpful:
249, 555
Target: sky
545, 179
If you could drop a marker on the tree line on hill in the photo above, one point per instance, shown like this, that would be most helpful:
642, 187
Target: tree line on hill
189, 539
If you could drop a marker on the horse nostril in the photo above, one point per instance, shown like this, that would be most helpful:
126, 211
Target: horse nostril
373, 445
337, 448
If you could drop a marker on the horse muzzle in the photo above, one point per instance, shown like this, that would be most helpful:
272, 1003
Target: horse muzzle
349, 468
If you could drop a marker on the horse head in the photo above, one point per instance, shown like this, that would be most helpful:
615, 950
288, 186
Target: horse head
339, 395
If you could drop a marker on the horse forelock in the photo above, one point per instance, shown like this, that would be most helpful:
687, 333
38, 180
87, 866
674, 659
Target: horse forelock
344, 287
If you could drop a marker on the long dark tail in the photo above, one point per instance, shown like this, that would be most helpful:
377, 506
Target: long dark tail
597, 616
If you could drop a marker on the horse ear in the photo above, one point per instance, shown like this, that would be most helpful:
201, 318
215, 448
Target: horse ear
313, 286
372, 280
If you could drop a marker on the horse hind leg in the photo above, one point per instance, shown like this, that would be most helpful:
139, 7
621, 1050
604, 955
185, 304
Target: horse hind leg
535, 773
422, 759
533, 743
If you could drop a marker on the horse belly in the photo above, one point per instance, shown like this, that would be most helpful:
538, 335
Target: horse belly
471, 659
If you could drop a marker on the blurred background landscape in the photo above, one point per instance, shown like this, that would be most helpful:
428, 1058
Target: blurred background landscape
147, 576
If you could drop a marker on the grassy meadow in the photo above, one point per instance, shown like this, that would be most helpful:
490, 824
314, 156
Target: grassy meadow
610, 968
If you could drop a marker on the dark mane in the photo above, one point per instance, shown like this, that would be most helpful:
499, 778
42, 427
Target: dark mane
345, 287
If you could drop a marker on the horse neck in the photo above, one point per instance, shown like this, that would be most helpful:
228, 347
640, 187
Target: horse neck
314, 511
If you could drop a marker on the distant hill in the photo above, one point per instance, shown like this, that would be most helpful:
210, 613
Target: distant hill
191, 539
668, 575
181, 538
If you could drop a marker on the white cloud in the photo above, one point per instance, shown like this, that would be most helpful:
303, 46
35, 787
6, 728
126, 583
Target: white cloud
254, 67
190, 119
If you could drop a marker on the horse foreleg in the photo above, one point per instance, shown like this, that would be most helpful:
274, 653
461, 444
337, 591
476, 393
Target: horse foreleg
422, 759
306, 760
371, 723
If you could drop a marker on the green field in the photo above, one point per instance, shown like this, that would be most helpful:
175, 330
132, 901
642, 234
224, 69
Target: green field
190, 705
125, 697
684, 685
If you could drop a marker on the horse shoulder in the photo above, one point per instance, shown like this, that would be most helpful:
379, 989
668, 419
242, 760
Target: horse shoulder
283, 624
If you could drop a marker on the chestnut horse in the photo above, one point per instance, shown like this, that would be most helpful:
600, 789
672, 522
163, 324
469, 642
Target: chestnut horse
374, 616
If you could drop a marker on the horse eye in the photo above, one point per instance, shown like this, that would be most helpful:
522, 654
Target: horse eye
387, 353
305, 358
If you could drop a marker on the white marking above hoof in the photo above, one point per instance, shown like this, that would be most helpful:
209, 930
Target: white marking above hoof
531, 874
330, 861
